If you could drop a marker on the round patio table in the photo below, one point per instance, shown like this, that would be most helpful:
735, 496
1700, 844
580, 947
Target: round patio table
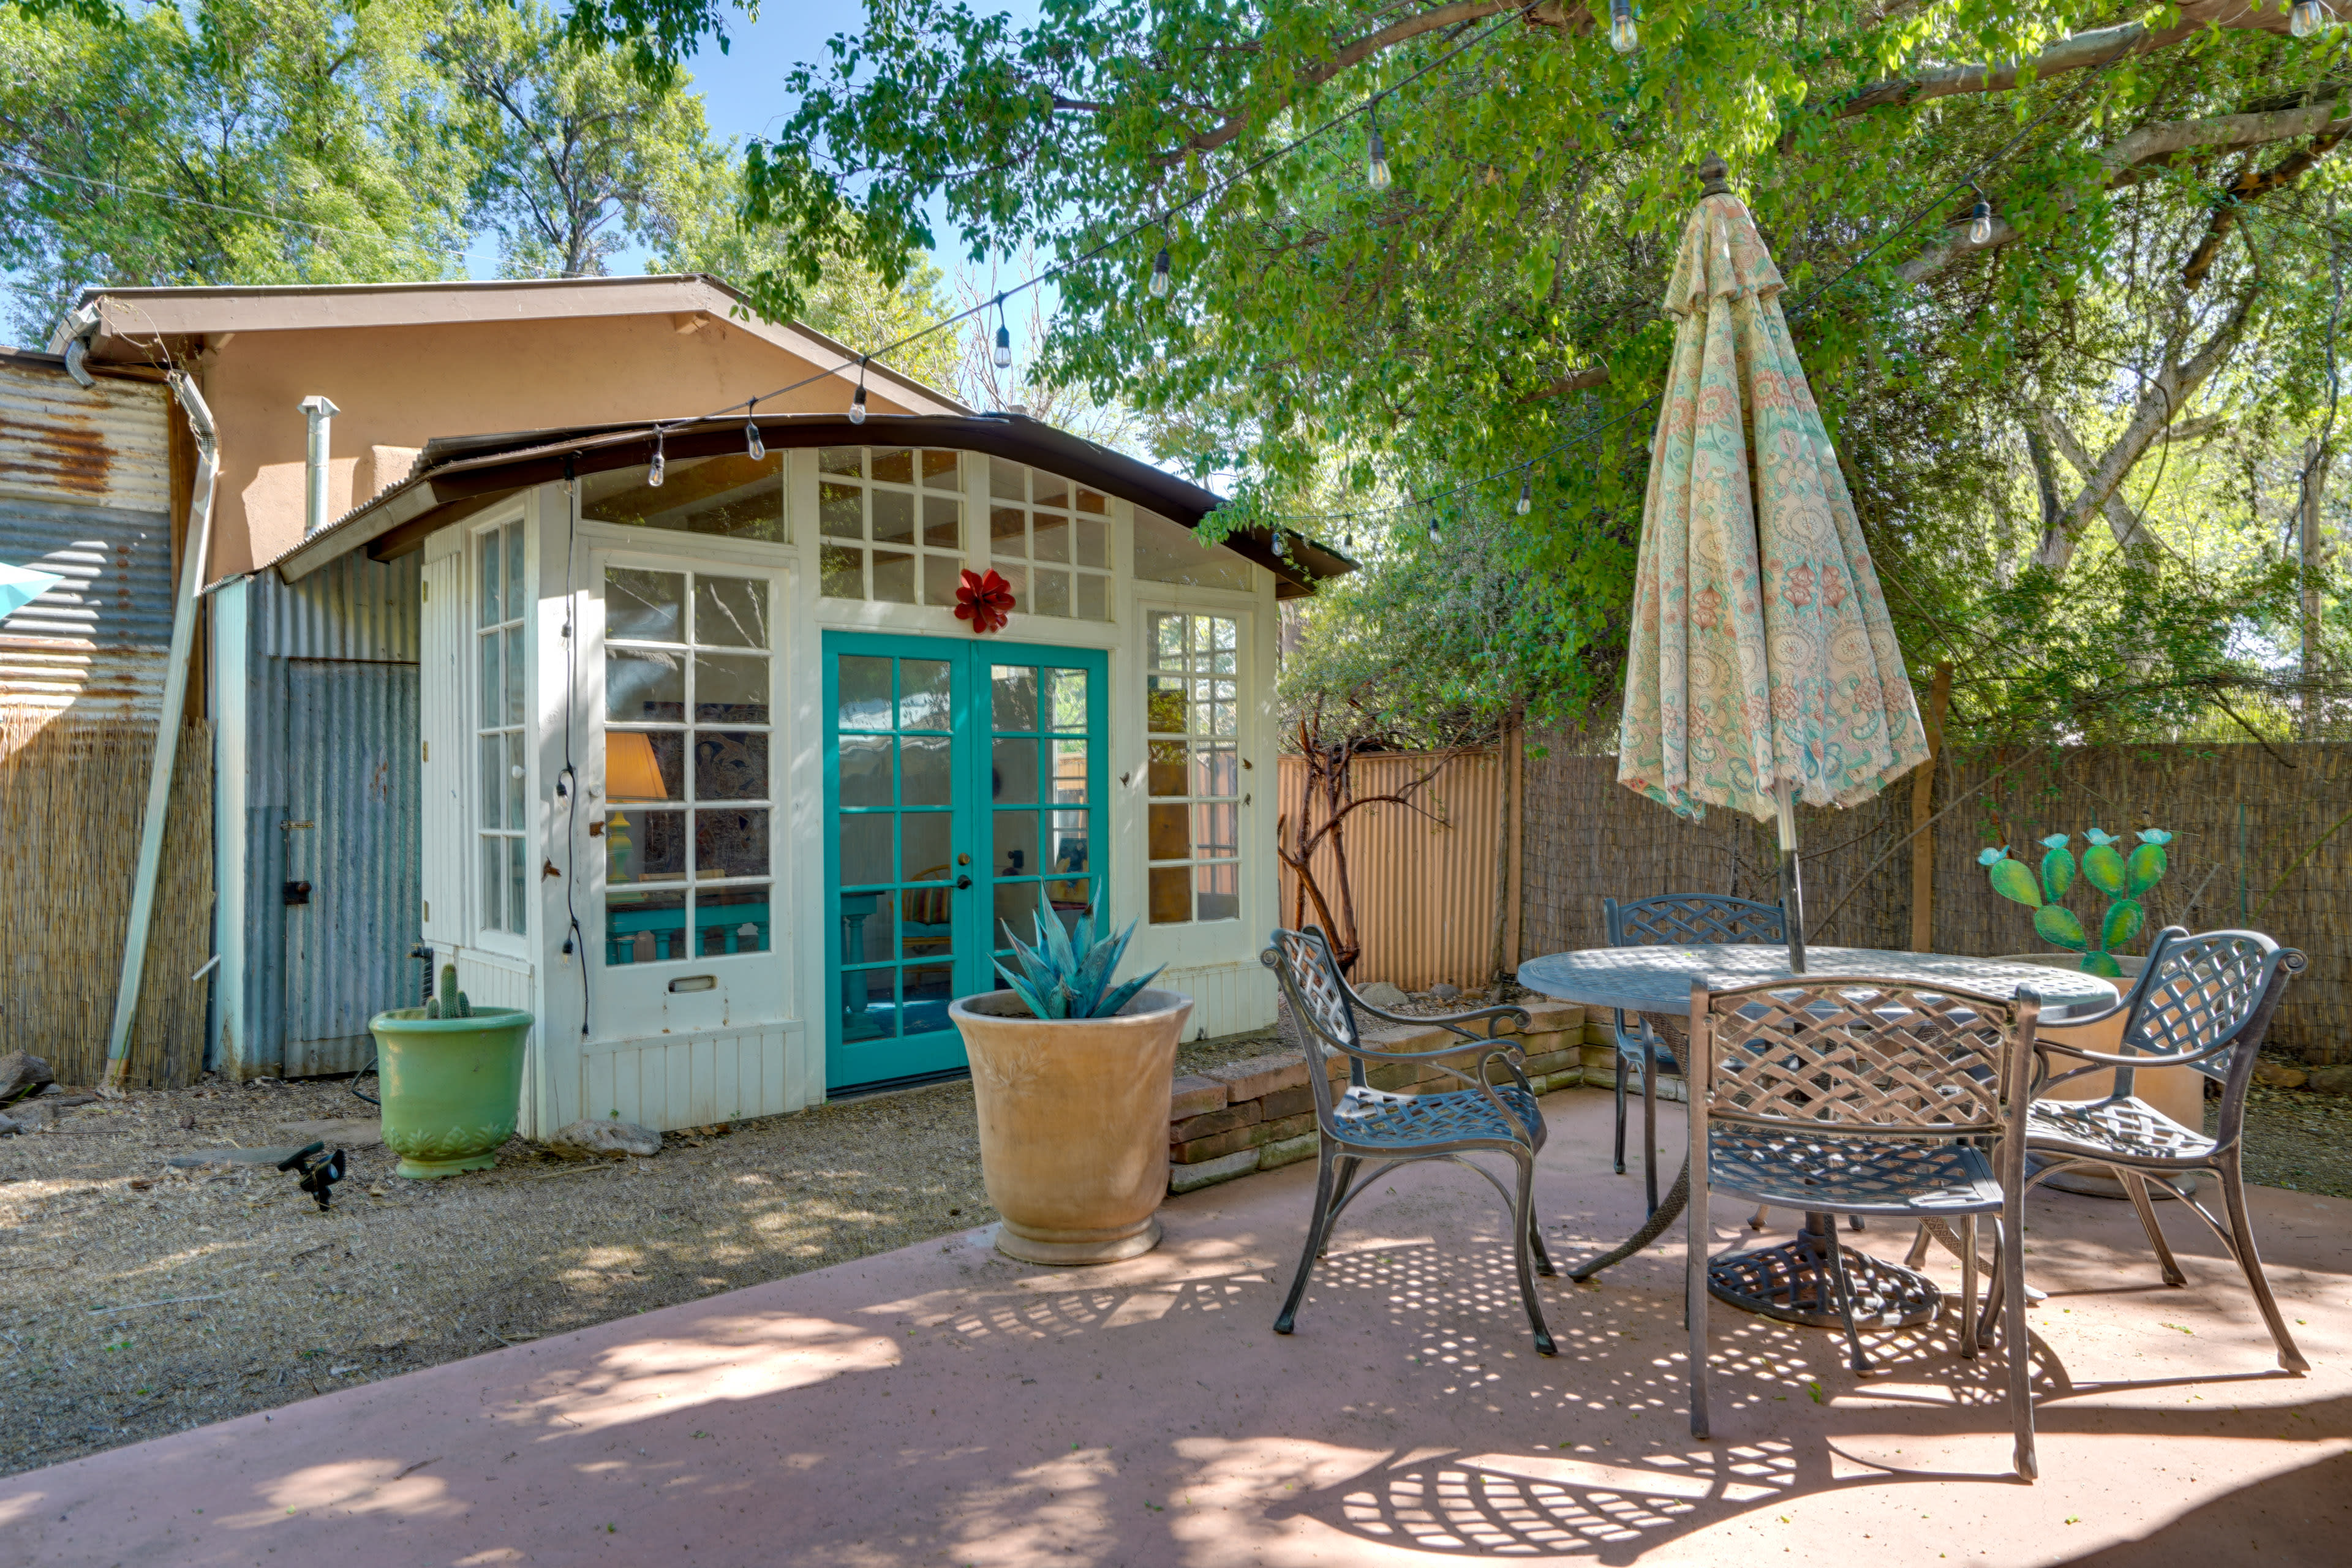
1789, 1281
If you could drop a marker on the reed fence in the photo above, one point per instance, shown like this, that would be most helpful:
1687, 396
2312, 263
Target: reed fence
72, 792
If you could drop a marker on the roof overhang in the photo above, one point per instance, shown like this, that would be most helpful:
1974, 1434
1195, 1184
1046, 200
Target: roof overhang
140, 326
455, 476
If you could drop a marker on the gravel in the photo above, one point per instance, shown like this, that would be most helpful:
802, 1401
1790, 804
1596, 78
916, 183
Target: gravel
2296, 1140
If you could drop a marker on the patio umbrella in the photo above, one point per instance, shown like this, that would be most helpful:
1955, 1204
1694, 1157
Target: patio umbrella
20, 585
1763, 669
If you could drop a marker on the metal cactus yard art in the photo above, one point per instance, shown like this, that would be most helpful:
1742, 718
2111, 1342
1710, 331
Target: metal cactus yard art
2122, 879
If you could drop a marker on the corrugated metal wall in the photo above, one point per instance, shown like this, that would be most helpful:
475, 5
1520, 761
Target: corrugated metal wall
331, 790
1423, 880
85, 492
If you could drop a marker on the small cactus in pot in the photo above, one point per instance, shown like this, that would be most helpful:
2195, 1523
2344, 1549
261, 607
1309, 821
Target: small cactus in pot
450, 1002
2122, 878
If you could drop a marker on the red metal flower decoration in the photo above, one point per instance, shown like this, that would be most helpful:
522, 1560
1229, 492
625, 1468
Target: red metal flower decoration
985, 601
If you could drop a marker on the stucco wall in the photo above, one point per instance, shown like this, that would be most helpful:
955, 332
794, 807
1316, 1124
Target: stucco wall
401, 387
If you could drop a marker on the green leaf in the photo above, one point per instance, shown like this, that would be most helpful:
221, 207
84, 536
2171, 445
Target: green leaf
1124, 994
2059, 927
2145, 869
2057, 874
2011, 880
2103, 868
2125, 918
2102, 963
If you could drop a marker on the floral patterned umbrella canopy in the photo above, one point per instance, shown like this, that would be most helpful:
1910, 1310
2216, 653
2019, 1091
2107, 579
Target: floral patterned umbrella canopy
1763, 668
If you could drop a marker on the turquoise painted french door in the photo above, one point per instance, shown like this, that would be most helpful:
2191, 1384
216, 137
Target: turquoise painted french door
963, 786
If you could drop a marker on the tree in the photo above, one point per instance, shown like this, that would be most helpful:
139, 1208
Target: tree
248, 140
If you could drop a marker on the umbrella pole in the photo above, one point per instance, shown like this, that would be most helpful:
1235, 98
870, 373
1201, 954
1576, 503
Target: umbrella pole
1793, 884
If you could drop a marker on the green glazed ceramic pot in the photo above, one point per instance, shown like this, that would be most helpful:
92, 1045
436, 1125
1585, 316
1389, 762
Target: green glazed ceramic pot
452, 1087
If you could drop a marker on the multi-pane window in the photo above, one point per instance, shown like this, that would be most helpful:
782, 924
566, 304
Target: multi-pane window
1042, 846
1192, 704
1051, 541
687, 750
891, 523
500, 610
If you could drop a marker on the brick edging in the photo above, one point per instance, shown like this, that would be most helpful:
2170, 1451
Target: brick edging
1259, 1114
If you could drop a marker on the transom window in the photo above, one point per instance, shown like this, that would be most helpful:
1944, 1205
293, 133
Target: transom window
499, 662
731, 496
891, 522
1051, 541
687, 781
1193, 703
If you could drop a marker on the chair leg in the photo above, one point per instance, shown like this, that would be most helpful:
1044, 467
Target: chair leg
1522, 1226
1694, 1296
1919, 1253
2016, 1340
1535, 1242
1996, 1288
1326, 1168
1755, 1220
2233, 1194
1650, 1128
1621, 1115
1342, 1175
1843, 1287
2136, 1185
1968, 1280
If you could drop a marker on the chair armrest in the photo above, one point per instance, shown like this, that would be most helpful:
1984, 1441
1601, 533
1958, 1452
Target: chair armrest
1452, 1021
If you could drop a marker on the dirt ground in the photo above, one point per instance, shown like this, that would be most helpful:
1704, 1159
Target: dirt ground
138, 1298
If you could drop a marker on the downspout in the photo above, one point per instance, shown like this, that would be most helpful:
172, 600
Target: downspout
167, 731
77, 329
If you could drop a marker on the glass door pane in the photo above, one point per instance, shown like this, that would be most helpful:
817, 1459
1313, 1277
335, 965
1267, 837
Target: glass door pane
1046, 722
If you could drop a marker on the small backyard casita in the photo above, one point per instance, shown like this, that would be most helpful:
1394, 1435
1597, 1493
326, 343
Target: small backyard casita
719, 787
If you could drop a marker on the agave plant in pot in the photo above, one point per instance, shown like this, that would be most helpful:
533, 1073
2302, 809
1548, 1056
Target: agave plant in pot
1070, 1073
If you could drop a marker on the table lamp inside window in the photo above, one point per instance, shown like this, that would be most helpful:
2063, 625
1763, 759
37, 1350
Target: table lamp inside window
631, 773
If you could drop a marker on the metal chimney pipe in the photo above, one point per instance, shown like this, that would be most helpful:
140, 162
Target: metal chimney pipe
321, 415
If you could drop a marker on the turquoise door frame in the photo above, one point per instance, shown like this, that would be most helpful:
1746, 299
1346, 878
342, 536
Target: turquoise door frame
965, 781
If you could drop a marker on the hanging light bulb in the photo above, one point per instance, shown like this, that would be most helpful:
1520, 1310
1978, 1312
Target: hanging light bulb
1004, 338
1980, 222
858, 398
753, 447
1348, 540
1433, 536
2307, 17
1376, 161
656, 470
1162, 278
1527, 498
1280, 548
1624, 35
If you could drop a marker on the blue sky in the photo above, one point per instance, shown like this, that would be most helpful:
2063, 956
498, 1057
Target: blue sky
743, 90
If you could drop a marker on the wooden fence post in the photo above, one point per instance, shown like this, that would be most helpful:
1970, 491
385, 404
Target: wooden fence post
1923, 791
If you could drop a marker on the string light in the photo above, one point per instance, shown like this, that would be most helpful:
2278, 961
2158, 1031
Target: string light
858, 398
1980, 222
1434, 538
1162, 278
1624, 35
1376, 159
753, 447
658, 469
1004, 338
2308, 17
1527, 498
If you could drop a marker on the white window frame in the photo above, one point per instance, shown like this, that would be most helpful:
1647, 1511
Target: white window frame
967, 553
767, 975
1022, 570
1227, 605
501, 937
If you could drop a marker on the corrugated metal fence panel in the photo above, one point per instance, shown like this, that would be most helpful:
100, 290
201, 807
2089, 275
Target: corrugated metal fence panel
346, 950
85, 492
103, 446
331, 741
354, 609
1421, 875
96, 642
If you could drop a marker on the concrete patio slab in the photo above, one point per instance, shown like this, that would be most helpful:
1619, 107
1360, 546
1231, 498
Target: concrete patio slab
942, 1405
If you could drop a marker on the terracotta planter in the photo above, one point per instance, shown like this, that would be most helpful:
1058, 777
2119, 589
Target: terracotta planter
1073, 1122
2179, 1093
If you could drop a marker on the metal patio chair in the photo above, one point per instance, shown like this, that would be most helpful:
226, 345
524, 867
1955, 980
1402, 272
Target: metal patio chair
1671, 920
1862, 1096
2202, 1002
1363, 1123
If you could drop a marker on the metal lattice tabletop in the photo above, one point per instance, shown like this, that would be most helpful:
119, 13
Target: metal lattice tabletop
1787, 1281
